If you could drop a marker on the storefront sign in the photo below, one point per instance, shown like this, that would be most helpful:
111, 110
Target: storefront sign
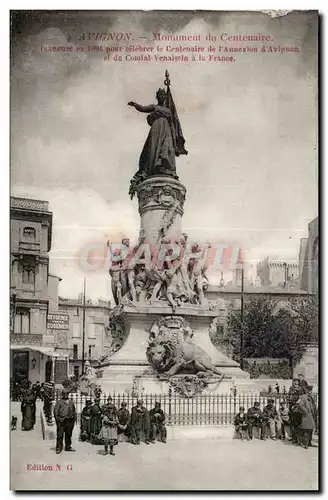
58, 321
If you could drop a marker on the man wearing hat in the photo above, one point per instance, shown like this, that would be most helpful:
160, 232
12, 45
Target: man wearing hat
65, 417
302, 382
307, 409
255, 419
139, 422
123, 416
85, 422
95, 420
157, 425
270, 415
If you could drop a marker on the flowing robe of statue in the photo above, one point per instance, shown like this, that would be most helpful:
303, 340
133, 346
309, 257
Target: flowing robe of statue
165, 140
158, 154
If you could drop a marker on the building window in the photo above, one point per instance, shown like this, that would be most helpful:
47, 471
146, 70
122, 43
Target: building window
76, 330
22, 321
99, 329
28, 277
91, 349
28, 273
76, 371
29, 233
75, 347
91, 331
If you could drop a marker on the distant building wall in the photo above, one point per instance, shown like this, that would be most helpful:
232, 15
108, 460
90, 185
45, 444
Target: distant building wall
96, 334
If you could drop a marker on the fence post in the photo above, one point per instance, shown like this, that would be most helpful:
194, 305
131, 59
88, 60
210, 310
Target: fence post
170, 406
234, 404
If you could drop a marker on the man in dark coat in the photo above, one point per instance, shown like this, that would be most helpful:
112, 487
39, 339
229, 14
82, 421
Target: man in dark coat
48, 397
157, 423
241, 425
65, 417
308, 423
255, 419
36, 389
314, 411
139, 422
85, 422
95, 421
270, 416
295, 416
123, 416
302, 382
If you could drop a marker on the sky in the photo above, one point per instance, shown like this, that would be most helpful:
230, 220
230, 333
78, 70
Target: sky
250, 130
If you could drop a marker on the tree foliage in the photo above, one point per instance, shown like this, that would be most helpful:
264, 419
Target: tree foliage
272, 330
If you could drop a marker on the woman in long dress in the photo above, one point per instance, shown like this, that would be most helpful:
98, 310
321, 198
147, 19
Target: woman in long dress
28, 409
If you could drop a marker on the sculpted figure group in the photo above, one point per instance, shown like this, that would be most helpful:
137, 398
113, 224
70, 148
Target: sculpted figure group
173, 272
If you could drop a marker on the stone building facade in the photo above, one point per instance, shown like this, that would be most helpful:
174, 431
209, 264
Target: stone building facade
309, 258
274, 272
33, 291
97, 336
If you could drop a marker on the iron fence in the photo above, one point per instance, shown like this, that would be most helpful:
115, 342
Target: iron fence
202, 410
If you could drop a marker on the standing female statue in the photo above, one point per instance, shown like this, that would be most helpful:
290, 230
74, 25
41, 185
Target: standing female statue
165, 140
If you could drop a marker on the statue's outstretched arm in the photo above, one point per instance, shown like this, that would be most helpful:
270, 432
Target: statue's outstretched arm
142, 109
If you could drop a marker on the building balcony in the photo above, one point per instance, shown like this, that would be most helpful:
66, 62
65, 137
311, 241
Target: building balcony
29, 247
26, 338
78, 357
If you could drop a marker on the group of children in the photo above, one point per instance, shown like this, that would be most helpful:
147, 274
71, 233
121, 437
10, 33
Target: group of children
105, 424
294, 420
270, 421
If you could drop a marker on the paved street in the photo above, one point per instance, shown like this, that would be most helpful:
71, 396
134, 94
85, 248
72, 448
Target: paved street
197, 464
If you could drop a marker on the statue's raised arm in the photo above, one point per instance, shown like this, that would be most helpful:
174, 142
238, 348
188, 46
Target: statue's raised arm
165, 140
142, 109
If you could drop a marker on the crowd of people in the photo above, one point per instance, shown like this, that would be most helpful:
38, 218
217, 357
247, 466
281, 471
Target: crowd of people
27, 394
27, 397
18, 389
107, 425
294, 420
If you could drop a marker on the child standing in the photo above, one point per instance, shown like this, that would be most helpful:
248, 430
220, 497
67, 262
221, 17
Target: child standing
108, 432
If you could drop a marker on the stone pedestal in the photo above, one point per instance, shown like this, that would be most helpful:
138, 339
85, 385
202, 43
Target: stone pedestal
161, 201
309, 365
182, 347
130, 366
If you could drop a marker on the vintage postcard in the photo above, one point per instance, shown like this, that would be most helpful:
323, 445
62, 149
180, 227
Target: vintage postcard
164, 250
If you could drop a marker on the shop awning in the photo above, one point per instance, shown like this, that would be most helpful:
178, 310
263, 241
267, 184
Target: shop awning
47, 351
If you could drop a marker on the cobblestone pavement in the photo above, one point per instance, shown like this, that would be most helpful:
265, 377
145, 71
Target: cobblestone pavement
197, 464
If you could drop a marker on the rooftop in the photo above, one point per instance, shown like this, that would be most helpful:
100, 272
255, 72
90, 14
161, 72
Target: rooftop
274, 290
29, 204
67, 301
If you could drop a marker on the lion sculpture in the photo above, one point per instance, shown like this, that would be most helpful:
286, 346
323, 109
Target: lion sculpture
173, 356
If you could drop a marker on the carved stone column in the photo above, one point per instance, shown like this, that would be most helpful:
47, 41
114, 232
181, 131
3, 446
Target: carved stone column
161, 201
